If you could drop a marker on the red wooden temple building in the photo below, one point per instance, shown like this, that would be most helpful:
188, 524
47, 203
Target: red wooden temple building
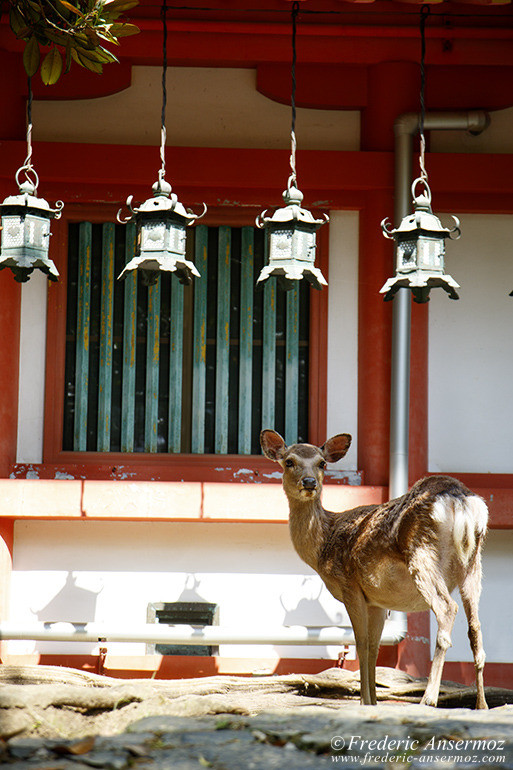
120, 504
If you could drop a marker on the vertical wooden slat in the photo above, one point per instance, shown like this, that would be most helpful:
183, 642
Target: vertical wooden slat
106, 323
199, 363
175, 367
152, 369
292, 367
129, 348
222, 341
82, 348
269, 355
246, 340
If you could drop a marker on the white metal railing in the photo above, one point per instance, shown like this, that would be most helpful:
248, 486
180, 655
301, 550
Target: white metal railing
151, 633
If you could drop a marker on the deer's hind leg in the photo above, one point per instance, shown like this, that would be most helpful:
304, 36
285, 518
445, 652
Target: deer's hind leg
375, 621
430, 583
470, 590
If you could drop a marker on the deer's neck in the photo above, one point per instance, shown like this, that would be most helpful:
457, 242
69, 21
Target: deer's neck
309, 526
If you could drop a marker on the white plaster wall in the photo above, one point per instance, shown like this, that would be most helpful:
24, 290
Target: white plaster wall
31, 391
109, 572
496, 615
206, 107
471, 353
342, 399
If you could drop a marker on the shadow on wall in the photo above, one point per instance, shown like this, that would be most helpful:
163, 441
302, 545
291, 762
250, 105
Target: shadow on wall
308, 611
71, 604
190, 592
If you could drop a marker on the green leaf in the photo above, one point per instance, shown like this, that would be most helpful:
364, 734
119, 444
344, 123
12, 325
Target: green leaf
120, 6
85, 62
51, 67
71, 8
68, 57
105, 56
108, 38
57, 37
124, 30
18, 23
31, 57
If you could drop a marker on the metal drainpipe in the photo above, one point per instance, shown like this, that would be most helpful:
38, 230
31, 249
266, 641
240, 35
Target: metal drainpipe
405, 127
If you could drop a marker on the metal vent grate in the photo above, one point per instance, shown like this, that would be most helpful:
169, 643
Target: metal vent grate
197, 614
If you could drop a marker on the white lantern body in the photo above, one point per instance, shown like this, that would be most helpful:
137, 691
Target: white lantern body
420, 251
161, 223
26, 235
291, 243
425, 252
161, 237
295, 243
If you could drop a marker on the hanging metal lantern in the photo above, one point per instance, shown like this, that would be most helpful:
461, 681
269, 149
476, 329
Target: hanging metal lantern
291, 230
420, 250
161, 223
291, 242
26, 230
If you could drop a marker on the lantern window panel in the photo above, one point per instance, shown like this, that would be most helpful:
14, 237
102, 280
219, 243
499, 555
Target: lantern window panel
145, 409
407, 254
431, 252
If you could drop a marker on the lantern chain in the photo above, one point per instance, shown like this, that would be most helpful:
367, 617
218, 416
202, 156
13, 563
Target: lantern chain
424, 13
28, 169
162, 171
293, 144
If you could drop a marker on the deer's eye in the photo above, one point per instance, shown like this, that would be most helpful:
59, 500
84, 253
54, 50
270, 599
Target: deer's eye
289, 463
322, 464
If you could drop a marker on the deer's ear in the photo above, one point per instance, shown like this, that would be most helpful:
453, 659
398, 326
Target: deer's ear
273, 446
335, 448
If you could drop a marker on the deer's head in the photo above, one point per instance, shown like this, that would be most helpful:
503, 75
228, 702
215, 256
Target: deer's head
303, 464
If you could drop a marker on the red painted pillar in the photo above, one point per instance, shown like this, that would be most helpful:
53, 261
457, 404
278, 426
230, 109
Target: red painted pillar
374, 342
13, 87
393, 90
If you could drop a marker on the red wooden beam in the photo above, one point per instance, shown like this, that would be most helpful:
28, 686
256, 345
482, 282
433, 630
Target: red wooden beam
111, 172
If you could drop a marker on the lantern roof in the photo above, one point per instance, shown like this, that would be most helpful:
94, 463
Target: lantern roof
164, 201
292, 211
28, 199
422, 219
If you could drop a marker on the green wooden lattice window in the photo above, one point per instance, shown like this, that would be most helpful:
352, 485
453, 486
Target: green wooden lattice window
168, 368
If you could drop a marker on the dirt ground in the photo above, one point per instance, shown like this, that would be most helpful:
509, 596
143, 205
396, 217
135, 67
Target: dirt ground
53, 702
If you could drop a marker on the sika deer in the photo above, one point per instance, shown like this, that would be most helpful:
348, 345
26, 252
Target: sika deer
408, 554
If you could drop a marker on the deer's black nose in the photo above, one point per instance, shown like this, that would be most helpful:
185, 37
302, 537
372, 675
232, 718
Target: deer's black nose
309, 482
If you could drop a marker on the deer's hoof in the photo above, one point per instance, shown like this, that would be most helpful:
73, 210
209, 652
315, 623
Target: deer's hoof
427, 701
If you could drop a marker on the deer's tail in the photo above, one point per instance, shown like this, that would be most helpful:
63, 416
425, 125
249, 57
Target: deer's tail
470, 522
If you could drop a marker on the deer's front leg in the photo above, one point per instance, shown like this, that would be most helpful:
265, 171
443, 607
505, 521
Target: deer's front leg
357, 610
